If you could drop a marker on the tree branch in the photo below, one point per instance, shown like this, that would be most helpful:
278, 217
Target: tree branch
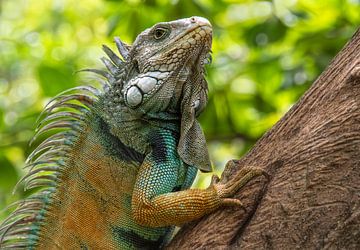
313, 157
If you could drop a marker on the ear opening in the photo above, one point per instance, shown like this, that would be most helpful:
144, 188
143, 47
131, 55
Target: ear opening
136, 66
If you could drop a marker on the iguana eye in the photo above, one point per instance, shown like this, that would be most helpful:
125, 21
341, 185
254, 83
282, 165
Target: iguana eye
159, 33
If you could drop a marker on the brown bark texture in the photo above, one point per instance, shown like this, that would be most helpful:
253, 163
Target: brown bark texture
312, 199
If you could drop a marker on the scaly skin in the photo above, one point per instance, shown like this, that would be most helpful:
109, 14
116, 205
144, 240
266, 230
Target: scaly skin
121, 177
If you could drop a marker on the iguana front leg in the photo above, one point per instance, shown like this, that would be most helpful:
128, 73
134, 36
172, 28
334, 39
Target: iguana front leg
155, 204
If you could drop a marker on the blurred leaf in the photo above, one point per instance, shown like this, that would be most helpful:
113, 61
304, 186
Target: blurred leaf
264, 33
8, 176
55, 79
300, 14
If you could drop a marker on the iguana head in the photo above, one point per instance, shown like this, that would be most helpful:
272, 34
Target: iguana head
163, 59
162, 78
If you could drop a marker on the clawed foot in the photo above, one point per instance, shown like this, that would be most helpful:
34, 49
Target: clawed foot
231, 187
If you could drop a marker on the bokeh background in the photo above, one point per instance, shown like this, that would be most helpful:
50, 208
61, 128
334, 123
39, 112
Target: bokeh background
265, 55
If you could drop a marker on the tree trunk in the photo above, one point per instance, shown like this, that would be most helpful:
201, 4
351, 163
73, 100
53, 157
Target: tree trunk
312, 155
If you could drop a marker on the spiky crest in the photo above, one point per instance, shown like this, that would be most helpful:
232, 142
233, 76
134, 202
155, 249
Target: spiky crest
66, 113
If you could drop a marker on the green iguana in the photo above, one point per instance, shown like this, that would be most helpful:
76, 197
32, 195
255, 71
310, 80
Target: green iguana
117, 175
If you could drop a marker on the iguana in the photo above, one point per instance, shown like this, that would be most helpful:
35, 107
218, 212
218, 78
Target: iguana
117, 173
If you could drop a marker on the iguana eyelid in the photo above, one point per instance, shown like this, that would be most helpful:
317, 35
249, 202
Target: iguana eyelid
160, 32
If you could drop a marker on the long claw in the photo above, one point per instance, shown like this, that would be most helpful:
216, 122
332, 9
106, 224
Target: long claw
214, 180
245, 175
233, 202
240, 180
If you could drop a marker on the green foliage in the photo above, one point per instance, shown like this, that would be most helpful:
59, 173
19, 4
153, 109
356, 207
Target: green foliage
265, 55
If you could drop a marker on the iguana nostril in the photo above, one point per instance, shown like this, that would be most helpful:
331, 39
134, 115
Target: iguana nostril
201, 21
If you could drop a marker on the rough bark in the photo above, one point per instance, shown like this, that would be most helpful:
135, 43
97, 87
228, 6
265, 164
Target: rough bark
312, 200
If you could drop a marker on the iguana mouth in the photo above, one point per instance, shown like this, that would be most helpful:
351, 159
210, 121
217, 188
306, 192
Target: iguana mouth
200, 38
204, 32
